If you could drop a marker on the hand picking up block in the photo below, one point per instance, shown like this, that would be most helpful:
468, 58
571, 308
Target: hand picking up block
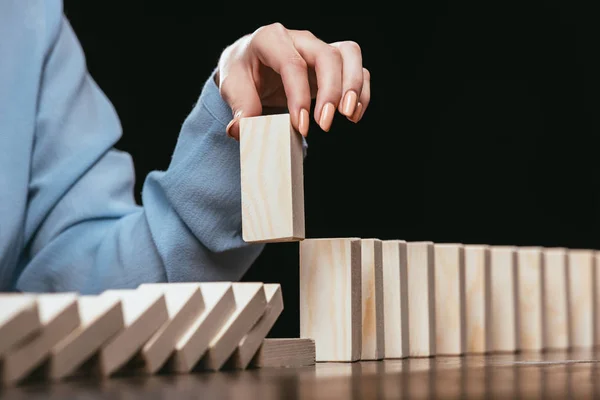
272, 179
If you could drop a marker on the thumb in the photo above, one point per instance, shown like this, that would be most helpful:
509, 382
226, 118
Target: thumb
239, 91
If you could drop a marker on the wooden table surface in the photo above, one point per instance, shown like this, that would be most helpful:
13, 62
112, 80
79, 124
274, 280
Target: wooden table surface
550, 375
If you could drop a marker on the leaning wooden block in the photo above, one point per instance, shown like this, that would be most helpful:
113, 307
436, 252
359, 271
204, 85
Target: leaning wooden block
501, 315
144, 314
395, 298
330, 297
449, 298
251, 303
529, 297
373, 324
272, 179
19, 319
101, 319
554, 299
580, 297
421, 299
283, 353
250, 344
477, 265
59, 316
219, 306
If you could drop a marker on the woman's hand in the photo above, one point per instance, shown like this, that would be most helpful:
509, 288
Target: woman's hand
275, 67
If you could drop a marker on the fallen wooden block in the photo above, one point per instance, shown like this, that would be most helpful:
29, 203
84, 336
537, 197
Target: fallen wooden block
101, 318
283, 353
144, 314
272, 180
529, 298
250, 344
580, 266
449, 298
554, 299
477, 265
373, 339
395, 298
59, 316
421, 299
19, 319
501, 315
330, 297
219, 306
251, 303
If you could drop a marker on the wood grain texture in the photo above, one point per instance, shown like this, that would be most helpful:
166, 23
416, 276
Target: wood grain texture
529, 298
596, 299
421, 299
272, 179
395, 298
554, 299
19, 319
373, 323
285, 353
449, 298
580, 265
477, 264
330, 297
501, 309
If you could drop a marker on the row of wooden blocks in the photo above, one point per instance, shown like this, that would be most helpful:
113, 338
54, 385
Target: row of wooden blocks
371, 299
173, 327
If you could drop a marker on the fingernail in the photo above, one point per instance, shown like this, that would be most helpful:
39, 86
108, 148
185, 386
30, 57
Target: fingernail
303, 122
356, 115
232, 123
327, 114
349, 103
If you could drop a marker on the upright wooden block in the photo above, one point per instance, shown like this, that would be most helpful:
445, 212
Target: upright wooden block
59, 316
330, 297
421, 299
101, 318
373, 324
285, 353
184, 305
395, 298
251, 303
580, 273
250, 344
143, 314
554, 299
477, 266
596, 293
272, 179
219, 302
19, 319
500, 312
529, 298
449, 298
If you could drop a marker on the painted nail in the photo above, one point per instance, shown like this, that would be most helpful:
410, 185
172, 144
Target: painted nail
349, 103
303, 122
356, 115
327, 114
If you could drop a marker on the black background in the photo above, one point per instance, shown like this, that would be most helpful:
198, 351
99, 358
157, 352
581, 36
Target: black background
481, 128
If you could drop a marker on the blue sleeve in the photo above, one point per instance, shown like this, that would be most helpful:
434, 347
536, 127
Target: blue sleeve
84, 230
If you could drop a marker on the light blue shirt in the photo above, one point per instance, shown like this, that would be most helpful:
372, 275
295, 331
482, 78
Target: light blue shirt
68, 217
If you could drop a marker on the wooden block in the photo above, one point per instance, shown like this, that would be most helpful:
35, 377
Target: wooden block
285, 353
580, 265
143, 314
19, 319
251, 303
101, 319
250, 344
373, 324
477, 265
554, 299
395, 298
272, 179
219, 306
184, 305
449, 298
421, 299
596, 293
529, 298
59, 316
330, 297
500, 311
